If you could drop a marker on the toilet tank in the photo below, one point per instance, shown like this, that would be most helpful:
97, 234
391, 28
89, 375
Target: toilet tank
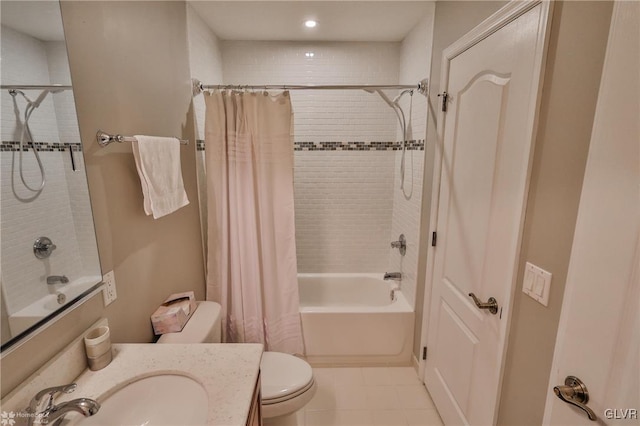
204, 326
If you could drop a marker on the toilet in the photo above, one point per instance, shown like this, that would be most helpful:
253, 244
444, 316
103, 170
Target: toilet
287, 382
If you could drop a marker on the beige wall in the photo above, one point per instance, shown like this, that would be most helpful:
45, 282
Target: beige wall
19, 363
130, 69
574, 64
453, 19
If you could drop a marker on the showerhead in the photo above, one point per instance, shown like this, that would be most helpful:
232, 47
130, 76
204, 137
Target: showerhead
401, 94
40, 98
385, 98
15, 92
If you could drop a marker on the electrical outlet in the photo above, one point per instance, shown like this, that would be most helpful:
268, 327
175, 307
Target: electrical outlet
109, 288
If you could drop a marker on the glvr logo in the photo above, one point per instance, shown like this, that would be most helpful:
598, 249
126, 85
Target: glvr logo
621, 413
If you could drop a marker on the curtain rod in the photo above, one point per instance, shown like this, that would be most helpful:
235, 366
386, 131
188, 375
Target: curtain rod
35, 87
421, 87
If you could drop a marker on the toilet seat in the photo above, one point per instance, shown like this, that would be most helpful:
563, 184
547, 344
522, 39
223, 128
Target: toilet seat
287, 384
287, 397
283, 375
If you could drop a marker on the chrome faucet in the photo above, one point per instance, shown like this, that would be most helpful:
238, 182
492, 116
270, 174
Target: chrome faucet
55, 413
396, 276
55, 279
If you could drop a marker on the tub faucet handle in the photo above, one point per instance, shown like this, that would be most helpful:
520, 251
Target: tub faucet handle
401, 244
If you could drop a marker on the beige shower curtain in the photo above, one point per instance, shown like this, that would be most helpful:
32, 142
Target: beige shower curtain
251, 261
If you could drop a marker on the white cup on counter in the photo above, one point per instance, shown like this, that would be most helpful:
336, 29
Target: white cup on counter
97, 344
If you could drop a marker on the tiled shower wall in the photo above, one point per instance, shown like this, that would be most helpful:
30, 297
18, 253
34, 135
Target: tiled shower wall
24, 61
343, 199
62, 210
415, 63
348, 202
205, 61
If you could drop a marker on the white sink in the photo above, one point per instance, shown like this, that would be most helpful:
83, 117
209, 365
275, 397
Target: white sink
157, 400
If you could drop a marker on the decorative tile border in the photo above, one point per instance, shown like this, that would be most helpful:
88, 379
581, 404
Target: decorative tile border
358, 146
14, 146
415, 145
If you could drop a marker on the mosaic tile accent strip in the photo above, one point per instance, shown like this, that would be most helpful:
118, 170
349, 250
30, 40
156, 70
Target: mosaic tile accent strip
412, 145
14, 146
358, 146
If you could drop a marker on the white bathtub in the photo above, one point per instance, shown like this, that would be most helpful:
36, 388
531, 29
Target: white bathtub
351, 319
47, 305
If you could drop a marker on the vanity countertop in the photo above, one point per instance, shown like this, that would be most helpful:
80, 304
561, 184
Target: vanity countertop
227, 371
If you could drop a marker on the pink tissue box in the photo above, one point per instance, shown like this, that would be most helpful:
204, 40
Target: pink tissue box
173, 314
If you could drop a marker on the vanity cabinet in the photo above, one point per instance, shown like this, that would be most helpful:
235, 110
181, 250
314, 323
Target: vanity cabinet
255, 410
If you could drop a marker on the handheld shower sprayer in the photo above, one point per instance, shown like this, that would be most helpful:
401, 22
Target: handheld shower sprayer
393, 104
26, 132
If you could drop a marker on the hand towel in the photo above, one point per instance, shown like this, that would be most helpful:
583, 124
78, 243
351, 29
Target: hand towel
158, 165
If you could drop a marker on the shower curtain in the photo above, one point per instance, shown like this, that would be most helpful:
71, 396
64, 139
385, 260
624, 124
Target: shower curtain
251, 264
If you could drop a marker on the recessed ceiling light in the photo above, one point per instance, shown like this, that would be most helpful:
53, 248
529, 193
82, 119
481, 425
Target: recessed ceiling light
309, 54
310, 23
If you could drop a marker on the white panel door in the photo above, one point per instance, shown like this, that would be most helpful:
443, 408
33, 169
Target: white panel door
599, 334
492, 76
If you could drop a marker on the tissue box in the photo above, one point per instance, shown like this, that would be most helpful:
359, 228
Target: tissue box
173, 314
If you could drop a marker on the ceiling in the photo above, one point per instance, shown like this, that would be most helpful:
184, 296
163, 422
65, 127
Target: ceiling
337, 20
255, 20
39, 19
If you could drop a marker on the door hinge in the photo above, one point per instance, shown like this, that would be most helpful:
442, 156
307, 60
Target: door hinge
424, 353
434, 239
445, 99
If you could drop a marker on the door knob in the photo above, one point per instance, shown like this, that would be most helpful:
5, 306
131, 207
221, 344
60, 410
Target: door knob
491, 304
575, 392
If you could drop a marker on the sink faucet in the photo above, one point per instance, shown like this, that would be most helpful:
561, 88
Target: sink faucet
396, 276
55, 279
55, 413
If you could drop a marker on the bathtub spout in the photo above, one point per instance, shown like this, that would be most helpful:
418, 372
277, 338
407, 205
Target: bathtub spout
57, 279
396, 276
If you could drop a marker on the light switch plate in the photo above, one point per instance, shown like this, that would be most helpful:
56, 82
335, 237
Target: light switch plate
109, 294
536, 283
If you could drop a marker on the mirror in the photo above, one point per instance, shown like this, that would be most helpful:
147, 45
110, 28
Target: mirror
48, 251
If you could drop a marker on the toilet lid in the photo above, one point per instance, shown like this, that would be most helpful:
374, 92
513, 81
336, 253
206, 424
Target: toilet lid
283, 374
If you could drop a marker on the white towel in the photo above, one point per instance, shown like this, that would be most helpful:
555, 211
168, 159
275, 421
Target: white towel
158, 164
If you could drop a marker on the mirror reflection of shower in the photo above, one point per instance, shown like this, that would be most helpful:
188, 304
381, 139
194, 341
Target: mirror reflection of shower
26, 137
41, 116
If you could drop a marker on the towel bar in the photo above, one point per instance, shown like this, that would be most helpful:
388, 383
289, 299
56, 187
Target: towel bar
105, 139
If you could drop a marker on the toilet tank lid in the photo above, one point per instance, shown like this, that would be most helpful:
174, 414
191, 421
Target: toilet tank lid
199, 327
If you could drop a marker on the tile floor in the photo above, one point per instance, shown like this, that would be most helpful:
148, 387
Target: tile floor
385, 396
